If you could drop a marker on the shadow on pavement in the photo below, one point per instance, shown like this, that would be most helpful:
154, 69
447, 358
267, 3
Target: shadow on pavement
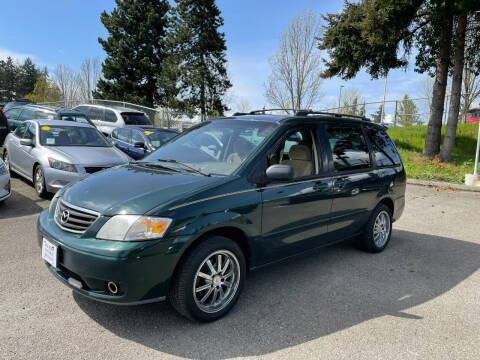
23, 202
303, 299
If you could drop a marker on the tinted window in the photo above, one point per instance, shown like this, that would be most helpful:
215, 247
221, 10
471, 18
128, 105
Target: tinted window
158, 138
135, 119
44, 115
349, 149
71, 136
82, 108
20, 130
123, 135
27, 114
13, 113
110, 116
76, 118
95, 113
383, 148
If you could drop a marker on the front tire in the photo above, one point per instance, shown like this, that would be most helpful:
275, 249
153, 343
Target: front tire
6, 160
378, 230
209, 280
39, 182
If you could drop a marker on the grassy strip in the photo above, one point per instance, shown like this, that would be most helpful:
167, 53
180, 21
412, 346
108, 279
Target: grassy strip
410, 141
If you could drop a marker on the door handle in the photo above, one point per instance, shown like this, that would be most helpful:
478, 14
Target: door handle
355, 191
339, 184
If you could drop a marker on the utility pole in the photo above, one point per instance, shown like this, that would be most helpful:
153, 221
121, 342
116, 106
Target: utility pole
384, 94
339, 97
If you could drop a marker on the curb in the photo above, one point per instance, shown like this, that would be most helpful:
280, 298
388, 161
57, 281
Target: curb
441, 184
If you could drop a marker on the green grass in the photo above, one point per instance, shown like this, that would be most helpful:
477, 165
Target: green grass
410, 141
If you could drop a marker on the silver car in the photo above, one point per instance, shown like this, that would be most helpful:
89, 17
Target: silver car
4, 182
52, 153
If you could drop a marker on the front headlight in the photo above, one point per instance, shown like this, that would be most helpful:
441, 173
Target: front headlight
61, 165
3, 169
133, 228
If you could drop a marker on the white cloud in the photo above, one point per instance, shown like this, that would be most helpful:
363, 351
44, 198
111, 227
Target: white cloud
20, 57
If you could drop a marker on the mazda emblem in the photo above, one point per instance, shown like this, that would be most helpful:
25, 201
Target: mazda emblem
65, 216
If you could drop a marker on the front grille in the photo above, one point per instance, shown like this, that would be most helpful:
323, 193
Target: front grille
93, 169
73, 218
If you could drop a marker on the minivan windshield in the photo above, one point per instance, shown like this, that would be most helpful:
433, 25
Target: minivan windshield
217, 147
134, 118
71, 136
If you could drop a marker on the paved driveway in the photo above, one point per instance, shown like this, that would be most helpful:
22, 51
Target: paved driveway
419, 299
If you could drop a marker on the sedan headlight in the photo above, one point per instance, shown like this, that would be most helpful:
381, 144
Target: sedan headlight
3, 169
61, 165
133, 228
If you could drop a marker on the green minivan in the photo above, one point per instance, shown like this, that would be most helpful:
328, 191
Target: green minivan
226, 196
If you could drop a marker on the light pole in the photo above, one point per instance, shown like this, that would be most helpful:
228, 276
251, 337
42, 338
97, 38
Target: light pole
384, 94
339, 97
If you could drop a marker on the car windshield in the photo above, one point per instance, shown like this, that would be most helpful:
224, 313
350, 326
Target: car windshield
71, 136
135, 119
158, 137
217, 147
77, 118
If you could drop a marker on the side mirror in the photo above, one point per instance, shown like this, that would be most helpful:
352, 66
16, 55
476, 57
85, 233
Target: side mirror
279, 172
139, 145
26, 142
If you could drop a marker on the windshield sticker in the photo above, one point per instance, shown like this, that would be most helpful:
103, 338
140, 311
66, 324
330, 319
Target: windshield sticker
45, 128
50, 141
148, 132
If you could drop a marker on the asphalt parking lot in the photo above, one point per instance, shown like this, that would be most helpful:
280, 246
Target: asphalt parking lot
417, 300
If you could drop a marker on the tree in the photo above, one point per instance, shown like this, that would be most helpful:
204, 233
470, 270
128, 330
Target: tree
44, 90
90, 73
351, 100
8, 78
198, 43
295, 79
27, 75
371, 34
407, 112
377, 117
243, 106
67, 82
135, 50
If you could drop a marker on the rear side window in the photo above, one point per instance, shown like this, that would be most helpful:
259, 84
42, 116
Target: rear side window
110, 116
96, 114
27, 114
82, 108
44, 115
135, 119
349, 148
137, 137
12, 114
384, 150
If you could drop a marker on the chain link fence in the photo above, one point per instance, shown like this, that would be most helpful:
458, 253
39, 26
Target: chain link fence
165, 118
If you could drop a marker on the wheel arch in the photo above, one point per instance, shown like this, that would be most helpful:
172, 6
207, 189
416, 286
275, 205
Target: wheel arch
389, 203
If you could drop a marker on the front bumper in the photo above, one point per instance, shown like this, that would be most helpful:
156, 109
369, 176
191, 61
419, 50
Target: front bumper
142, 270
57, 179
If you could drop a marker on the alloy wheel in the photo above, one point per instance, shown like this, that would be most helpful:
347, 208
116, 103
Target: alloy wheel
216, 281
39, 180
381, 228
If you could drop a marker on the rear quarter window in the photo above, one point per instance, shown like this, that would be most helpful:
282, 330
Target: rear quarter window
384, 151
349, 148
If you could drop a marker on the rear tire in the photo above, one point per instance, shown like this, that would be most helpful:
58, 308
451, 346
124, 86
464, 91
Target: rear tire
378, 230
39, 182
209, 280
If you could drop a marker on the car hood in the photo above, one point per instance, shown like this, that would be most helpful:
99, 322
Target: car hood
136, 189
92, 156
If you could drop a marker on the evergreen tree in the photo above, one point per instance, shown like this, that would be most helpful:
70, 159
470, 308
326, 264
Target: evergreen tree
135, 51
203, 78
8, 79
408, 112
27, 77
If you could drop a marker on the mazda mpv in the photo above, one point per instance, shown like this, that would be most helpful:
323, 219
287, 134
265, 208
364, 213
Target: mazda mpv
191, 219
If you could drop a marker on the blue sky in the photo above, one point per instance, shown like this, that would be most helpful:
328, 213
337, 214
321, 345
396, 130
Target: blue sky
66, 31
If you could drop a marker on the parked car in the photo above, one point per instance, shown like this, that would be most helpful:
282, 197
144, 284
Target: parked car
18, 114
52, 153
108, 118
73, 115
187, 222
3, 127
5, 189
472, 116
138, 142
15, 103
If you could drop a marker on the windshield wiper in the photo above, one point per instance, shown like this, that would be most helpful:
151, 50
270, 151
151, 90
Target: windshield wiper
155, 165
173, 161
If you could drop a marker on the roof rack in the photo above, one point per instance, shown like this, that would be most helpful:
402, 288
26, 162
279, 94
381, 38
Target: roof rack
339, 115
262, 111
